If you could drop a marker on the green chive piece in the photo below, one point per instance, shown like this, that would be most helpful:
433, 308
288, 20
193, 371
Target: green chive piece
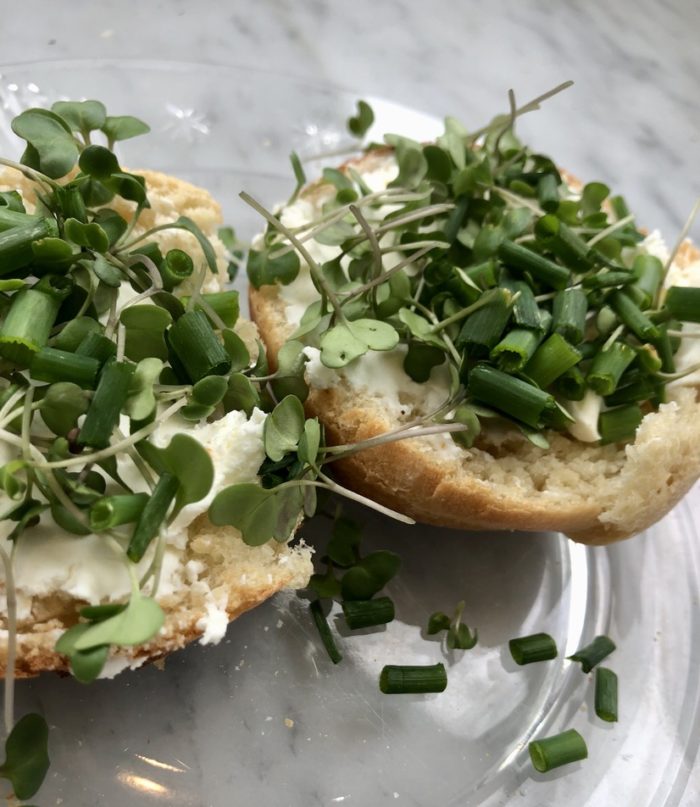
525, 310
113, 511
16, 244
553, 358
176, 267
665, 348
642, 389
97, 346
572, 384
548, 193
53, 365
633, 317
511, 395
368, 613
224, 303
606, 694
324, 631
107, 402
197, 347
569, 314
592, 654
560, 749
31, 316
684, 303
649, 273
402, 680
608, 367
483, 274
558, 238
607, 279
528, 649
619, 425
152, 516
648, 358
519, 257
484, 327
516, 348
9, 219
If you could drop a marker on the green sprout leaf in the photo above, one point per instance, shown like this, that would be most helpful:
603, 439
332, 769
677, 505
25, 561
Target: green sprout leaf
81, 116
348, 341
459, 637
344, 545
145, 331
258, 513
241, 394
26, 755
11, 481
210, 390
141, 402
420, 360
91, 235
136, 624
51, 146
236, 349
124, 127
185, 223
98, 162
310, 441
62, 405
86, 665
264, 270
290, 372
325, 586
187, 460
283, 428
359, 123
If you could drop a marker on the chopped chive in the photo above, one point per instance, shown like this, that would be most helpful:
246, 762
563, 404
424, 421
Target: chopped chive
569, 314
607, 279
642, 389
665, 348
113, 511
106, 405
528, 649
368, 613
592, 654
608, 367
572, 384
197, 347
176, 267
97, 346
9, 219
484, 327
32, 314
553, 358
152, 516
53, 365
483, 274
325, 631
633, 317
648, 272
511, 395
619, 425
224, 303
606, 320
560, 749
516, 348
525, 310
684, 303
542, 269
548, 192
402, 680
606, 694
16, 244
558, 238
648, 358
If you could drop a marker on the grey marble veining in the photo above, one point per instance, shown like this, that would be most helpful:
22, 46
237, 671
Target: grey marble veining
262, 719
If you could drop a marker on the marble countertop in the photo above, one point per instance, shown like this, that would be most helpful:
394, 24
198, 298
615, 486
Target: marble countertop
631, 120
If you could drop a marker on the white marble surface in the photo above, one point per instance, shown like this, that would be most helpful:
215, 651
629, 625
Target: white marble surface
631, 120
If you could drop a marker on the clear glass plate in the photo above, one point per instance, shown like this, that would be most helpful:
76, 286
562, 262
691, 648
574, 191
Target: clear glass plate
265, 718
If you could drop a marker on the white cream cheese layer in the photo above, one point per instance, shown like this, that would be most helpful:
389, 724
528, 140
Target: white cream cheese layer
381, 375
48, 559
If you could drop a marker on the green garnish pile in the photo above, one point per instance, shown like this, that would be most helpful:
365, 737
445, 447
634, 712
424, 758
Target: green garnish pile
479, 256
